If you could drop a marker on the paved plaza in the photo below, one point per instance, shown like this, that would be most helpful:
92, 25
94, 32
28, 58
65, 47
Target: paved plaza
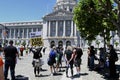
24, 68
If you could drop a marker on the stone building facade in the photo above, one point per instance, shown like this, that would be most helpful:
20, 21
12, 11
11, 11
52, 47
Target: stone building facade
59, 28
19, 32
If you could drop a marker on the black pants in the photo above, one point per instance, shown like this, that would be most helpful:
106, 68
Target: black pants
71, 67
36, 70
112, 68
11, 65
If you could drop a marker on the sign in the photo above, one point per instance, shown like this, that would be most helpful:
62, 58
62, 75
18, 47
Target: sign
36, 34
36, 41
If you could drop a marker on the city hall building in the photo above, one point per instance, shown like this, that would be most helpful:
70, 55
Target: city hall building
58, 28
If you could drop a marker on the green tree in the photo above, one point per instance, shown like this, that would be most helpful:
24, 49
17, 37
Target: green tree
98, 12
98, 43
116, 44
95, 17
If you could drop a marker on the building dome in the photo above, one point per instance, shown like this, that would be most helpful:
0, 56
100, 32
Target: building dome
65, 5
59, 0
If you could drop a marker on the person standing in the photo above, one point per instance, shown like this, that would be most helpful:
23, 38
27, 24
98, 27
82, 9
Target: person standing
37, 61
69, 59
77, 59
51, 60
21, 50
1, 69
88, 62
10, 53
102, 58
113, 57
92, 57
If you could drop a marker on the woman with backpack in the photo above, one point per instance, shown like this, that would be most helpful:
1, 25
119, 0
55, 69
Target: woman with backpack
51, 60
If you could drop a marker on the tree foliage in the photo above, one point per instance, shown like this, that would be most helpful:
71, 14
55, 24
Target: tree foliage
97, 17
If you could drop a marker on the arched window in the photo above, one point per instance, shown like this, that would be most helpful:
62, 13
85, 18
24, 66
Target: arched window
60, 43
68, 43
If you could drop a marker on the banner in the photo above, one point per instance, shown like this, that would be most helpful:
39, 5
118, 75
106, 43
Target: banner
36, 34
36, 41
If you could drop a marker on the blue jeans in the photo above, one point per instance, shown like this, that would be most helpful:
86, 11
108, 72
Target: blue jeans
11, 65
91, 62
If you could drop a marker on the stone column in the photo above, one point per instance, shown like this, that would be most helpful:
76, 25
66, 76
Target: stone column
64, 28
71, 29
56, 29
23, 33
18, 32
10, 33
75, 30
14, 33
49, 29
27, 33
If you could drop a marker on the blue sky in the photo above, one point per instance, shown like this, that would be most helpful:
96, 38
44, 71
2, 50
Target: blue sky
24, 10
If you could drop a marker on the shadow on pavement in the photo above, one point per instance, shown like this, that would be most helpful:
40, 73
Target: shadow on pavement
21, 77
81, 74
43, 69
105, 73
42, 75
57, 74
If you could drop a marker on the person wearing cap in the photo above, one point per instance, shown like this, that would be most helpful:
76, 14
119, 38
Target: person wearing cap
10, 53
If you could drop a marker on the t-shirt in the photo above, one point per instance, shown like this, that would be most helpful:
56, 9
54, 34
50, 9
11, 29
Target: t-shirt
10, 51
68, 54
1, 62
79, 53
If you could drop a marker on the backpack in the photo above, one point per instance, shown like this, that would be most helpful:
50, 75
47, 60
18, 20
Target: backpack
52, 54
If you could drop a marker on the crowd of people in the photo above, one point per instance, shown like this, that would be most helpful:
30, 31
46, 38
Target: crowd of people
106, 60
10, 53
71, 55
